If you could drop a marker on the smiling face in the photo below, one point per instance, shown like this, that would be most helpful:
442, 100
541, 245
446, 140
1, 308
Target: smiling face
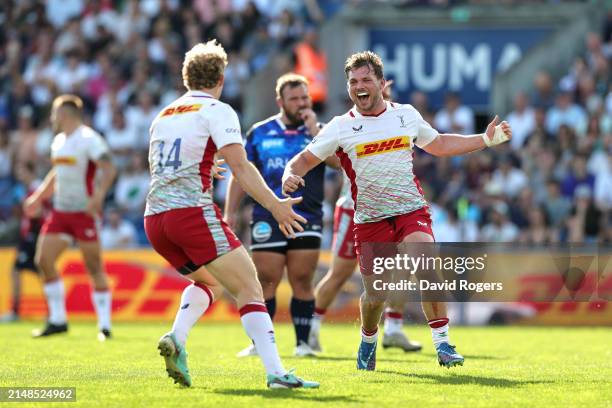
365, 90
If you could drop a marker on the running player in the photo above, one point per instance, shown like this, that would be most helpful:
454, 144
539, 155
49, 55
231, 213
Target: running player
76, 152
269, 146
185, 226
374, 142
28, 235
343, 263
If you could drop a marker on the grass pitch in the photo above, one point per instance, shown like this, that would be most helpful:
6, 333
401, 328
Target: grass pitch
507, 366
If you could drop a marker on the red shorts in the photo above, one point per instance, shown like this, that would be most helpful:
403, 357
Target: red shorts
190, 237
79, 225
343, 244
389, 230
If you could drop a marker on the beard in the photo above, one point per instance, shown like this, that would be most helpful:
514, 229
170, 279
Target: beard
294, 118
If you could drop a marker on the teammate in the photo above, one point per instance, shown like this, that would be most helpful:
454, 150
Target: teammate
185, 226
374, 142
28, 235
269, 146
76, 152
344, 260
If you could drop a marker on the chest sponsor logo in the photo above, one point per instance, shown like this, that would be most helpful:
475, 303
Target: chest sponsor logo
64, 161
276, 163
383, 146
181, 109
272, 143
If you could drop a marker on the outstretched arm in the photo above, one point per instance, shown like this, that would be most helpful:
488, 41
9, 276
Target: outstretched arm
449, 144
251, 181
297, 168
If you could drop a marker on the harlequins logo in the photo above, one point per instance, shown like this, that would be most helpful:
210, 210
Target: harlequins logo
401, 118
357, 129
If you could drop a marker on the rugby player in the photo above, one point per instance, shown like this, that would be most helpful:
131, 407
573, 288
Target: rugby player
185, 226
77, 152
374, 142
269, 146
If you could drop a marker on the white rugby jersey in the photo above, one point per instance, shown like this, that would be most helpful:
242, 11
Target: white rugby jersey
184, 139
73, 159
376, 154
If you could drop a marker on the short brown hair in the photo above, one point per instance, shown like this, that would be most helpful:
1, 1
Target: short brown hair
362, 59
72, 102
290, 80
204, 65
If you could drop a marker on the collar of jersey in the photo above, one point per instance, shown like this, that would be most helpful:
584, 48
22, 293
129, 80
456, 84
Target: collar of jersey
355, 113
199, 94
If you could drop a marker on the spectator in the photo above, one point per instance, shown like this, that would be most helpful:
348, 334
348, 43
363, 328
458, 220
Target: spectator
565, 112
499, 229
522, 121
538, 231
577, 176
454, 117
556, 205
311, 62
543, 96
117, 233
585, 223
132, 188
140, 117
512, 179
121, 140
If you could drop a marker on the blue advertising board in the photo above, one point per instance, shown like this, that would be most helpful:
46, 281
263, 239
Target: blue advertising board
463, 60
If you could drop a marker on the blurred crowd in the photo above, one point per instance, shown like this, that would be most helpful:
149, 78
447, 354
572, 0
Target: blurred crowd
123, 57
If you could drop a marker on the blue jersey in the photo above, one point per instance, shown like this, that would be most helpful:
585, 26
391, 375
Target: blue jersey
270, 144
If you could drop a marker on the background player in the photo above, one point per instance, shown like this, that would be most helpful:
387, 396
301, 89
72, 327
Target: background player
185, 226
374, 142
343, 263
76, 152
28, 235
269, 146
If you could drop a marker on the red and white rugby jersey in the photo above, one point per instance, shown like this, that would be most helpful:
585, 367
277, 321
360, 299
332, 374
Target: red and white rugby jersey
376, 154
73, 157
184, 139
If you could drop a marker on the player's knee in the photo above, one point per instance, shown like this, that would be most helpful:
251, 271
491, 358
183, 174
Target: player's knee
302, 285
373, 300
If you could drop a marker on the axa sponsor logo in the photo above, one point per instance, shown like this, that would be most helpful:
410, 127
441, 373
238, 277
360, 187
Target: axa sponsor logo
176, 110
383, 146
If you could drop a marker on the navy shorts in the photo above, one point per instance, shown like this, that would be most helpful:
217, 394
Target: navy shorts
266, 236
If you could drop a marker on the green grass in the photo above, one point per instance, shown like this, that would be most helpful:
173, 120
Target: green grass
509, 367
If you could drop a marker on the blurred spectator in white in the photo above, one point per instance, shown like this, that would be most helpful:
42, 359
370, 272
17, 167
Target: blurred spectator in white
132, 187
446, 226
60, 11
285, 28
565, 112
131, 21
499, 229
98, 14
117, 233
40, 72
236, 76
454, 117
71, 76
603, 186
522, 121
121, 139
140, 117
70, 38
511, 179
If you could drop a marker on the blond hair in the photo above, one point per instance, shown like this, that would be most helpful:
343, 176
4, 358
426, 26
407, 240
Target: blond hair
72, 102
362, 59
204, 65
291, 80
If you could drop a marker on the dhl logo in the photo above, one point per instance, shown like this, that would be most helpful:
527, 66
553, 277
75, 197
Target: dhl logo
64, 160
181, 109
383, 146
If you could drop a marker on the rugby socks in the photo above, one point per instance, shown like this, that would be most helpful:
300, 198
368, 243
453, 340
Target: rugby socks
301, 315
54, 291
369, 336
393, 322
102, 301
439, 331
195, 300
317, 319
258, 326
271, 306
